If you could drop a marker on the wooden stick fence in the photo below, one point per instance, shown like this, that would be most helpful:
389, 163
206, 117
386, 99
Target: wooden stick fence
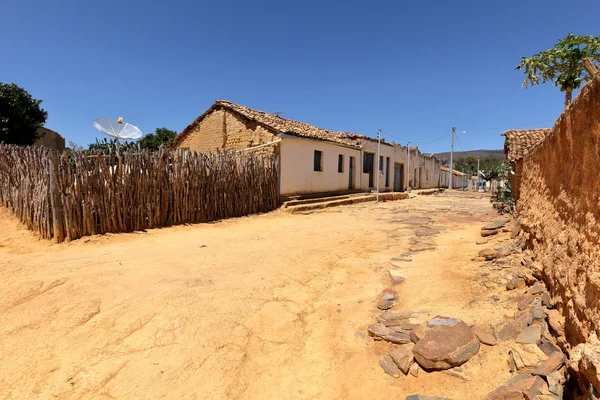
65, 196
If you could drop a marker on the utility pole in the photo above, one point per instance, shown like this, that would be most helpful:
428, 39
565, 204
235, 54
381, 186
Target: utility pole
477, 185
408, 167
379, 164
451, 155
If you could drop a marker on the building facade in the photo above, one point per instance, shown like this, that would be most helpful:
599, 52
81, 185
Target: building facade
312, 160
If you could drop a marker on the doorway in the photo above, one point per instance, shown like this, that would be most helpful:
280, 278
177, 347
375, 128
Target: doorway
420, 176
351, 174
369, 159
398, 177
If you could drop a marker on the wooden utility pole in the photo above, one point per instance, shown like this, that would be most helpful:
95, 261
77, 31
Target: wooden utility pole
56, 201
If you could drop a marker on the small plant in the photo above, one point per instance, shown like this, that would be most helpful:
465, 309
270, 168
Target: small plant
504, 192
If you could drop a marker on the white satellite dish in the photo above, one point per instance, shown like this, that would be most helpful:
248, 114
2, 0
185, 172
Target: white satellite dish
117, 129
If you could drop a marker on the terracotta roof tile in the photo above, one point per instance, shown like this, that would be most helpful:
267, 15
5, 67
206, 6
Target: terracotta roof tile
519, 143
279, 124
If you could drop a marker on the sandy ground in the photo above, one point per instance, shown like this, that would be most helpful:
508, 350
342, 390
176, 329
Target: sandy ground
261, 307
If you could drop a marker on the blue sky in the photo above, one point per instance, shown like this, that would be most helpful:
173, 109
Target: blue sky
412, 69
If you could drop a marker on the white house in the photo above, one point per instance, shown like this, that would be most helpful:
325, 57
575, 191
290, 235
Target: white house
312, 160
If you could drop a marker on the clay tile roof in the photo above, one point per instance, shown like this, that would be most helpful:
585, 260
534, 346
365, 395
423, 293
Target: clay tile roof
278, 124
519, 143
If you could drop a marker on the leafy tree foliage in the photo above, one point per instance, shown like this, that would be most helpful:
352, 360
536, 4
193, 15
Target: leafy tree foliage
20, 115
562, 64
161, 137
151, 142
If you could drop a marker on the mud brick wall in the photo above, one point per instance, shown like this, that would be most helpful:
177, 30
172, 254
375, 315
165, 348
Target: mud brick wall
223, 129
559, 208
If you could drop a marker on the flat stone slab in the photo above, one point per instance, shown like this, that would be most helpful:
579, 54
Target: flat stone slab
421, 397
526, 357
389, 366
489, 233
485, 336
422, 231
378, 330
403, 357
530, 335
447, 343
396, 277
401, 337
556, 321
519, 387
495, 225
553, 363
422, 247
488, 254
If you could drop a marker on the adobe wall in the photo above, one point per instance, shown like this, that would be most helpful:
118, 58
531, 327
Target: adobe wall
223, 129
559, 208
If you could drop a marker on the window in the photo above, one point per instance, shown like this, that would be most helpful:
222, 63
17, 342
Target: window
381, 163
341, 163
387, 172
318, 160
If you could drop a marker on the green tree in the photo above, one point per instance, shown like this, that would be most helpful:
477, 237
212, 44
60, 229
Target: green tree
20, 115
563, 64
160, 137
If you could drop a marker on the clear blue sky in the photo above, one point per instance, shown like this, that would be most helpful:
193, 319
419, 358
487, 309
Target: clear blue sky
412, 69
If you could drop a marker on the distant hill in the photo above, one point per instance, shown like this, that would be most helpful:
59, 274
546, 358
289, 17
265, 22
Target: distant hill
491, 154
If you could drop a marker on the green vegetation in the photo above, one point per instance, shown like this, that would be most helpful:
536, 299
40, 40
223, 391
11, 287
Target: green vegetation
491, 167
20, 115
563, 64
152, 142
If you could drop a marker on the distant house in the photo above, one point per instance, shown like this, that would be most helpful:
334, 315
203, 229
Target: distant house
312, 160
460, 180
517, 144
50, 139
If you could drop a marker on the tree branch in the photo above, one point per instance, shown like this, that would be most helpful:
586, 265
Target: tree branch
590, 67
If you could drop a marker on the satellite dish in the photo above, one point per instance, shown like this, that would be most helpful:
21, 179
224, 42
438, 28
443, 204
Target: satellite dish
117, 129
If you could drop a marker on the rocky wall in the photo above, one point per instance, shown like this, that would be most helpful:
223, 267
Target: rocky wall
559, 209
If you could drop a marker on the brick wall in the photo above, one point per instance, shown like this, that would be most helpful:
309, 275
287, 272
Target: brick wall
223, 129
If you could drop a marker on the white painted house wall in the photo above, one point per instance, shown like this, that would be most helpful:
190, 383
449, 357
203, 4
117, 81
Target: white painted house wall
297, 166
386, 151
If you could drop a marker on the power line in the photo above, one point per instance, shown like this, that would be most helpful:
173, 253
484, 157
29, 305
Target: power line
512, 126
416, 143
459, 143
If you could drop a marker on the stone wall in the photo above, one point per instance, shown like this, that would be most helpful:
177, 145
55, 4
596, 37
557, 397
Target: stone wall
223, 129
559, 209
50, 139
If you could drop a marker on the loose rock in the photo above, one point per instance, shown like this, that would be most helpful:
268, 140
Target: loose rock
484, 336
417, 333
403, 358
515, 283
495, 225
397, 337
488, 254
526, 357
389, 366
378, 330
526, 301
489, 233
556, 322
520, 387
422, 247
396, 277
414, 369
553, 363
529, 335
447, 343
421, 397
426, 231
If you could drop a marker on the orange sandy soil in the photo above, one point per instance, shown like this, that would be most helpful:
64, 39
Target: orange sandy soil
273, 306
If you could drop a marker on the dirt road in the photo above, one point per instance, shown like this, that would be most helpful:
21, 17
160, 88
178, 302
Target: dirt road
261, 307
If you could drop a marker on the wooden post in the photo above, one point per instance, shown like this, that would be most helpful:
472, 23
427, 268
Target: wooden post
590, 67
56, 201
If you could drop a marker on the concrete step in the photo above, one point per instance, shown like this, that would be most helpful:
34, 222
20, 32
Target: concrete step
320, 195
326, 203
336, 201
315, 200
